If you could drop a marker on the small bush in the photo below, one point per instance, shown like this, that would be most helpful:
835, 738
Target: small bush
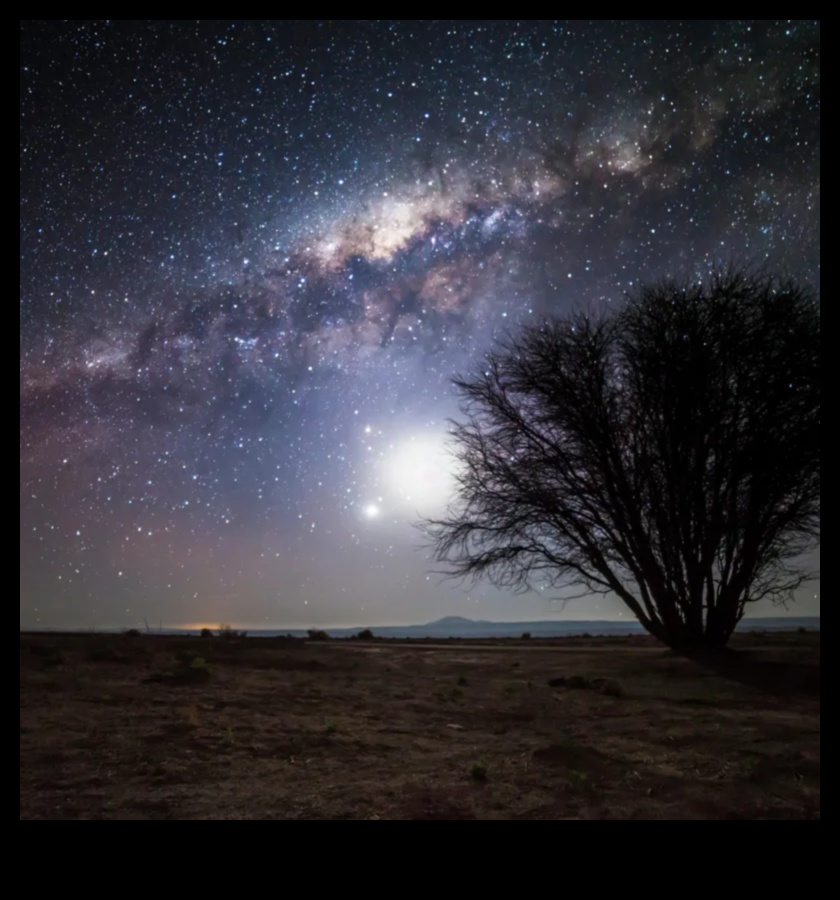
197, 672
526, 635
478, 772
206, 633
287, 640
315, 634
365, 635
193, 670
227, 633
133, 633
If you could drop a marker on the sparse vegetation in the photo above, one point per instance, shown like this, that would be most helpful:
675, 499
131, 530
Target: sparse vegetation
287, 640
197, 672
315, 634
175, 719
226, 633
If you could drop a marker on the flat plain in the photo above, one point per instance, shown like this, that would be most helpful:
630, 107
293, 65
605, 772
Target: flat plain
171, 727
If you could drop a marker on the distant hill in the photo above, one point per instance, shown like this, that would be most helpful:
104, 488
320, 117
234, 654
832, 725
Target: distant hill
459, 627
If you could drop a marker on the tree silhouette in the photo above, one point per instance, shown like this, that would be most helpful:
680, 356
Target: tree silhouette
668, 453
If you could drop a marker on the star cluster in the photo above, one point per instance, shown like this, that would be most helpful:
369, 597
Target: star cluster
254, 253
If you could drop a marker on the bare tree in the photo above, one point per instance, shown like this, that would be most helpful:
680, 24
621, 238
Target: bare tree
668, 453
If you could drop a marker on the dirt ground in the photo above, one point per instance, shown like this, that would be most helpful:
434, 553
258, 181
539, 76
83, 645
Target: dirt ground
156, 727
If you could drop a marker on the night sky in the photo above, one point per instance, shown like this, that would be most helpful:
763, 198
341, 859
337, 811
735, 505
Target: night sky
253, 255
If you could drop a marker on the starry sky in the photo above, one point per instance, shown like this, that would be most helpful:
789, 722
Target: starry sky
253, 254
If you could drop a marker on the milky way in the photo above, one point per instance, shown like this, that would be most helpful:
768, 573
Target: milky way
254, 254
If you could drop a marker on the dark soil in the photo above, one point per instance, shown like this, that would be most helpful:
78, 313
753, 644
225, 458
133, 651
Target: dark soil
155, 727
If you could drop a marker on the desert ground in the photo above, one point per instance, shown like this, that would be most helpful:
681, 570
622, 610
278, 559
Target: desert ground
159, 727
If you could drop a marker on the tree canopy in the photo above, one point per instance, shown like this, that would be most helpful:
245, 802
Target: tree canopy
668, 453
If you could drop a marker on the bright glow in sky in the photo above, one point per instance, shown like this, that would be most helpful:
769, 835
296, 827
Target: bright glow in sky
418, 474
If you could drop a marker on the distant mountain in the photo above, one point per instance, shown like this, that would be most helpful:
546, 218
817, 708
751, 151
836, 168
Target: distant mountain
453, 622
459, 627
